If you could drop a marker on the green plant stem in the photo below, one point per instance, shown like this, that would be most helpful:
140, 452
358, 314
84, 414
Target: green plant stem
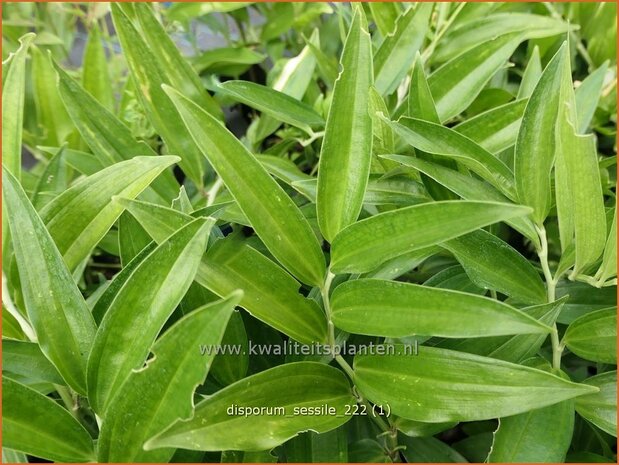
211, 194
389, 431
67, 399
324, 292
551, 284
428, 51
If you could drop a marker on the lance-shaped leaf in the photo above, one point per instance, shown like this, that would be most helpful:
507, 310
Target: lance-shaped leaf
108, 137
420, 101
580, 201
485, 28
458, 82
394, 309
79, 217
535, 146
587, 97
51, 114
284, 391
280, 106
600, 408
493, 264
177, 70
439, 385
276, 219
515, 348
148, 77
56, 309
26, 359
531, 75
293, 80
145, 301
361, 247
439, 140
538, 436
162, 392
269, 292
608, 268
495, 129
347, 145
385, 15
228, 61
467, 187
594, 336
96, 76
36, 425
53, 181
395, 55
13, 91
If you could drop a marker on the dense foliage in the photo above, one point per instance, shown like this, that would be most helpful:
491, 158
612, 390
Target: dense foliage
397, 219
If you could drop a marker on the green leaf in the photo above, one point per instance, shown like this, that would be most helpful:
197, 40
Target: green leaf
420, 101
418, 429
367, 450
270, 293
361, 247
458, 82
51, 114
608, 268
175, 67
289, 388
594, 336
96, 76
149, 73
588, 95
429, 450
13, 91
329, 447
469, 188
580, 200
531, 75
439, 385
496, 129
38, 426
162, 392
132, 238
26, 359
56, 309
274, 216
395, 55
230, 367
493, 264
347, 145
540, 435
276, 104
584, 299
145, 301
393, 309
293, 80
385, 15
600, 408
229, 61
53, 181
511, 348
535, 145
108, 138
478, 31
79, 217
439, 140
